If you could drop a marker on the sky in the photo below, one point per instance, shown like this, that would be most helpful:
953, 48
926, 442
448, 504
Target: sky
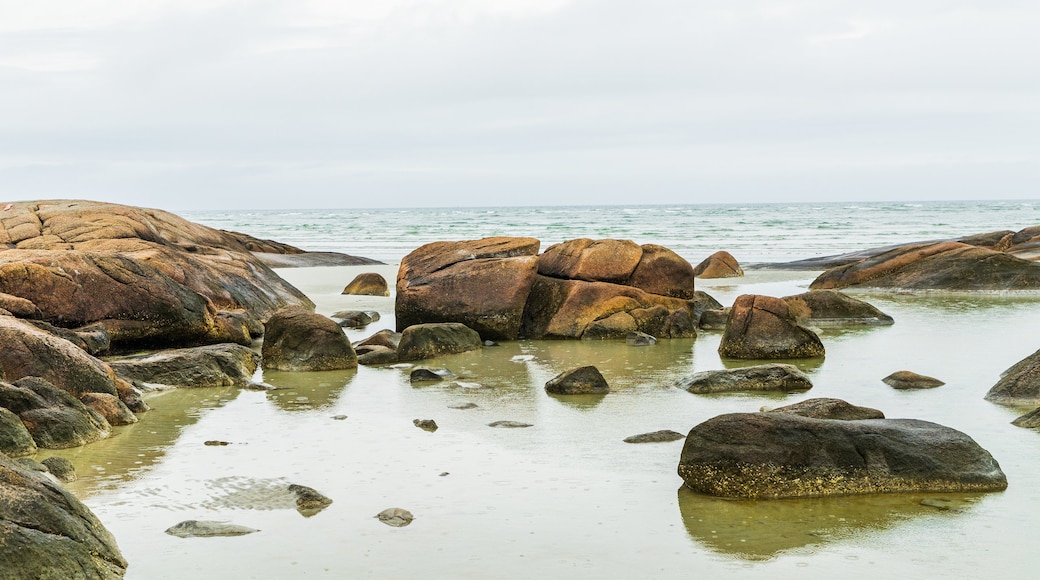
234, 104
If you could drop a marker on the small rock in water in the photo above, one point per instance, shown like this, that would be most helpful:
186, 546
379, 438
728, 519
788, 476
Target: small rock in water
655, 437
522, 358
509, 424
339, 417
355, 318
61, 468
425, 424
425, 375
213, 443
308, 500
395, 517
490, 343
585, 380
904, 380
445, 474
260, 386
463, 406
639, 339
207, 529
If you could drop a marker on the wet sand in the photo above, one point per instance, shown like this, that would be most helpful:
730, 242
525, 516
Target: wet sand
566, 497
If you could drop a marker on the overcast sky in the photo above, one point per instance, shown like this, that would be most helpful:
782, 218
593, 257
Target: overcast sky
214, 104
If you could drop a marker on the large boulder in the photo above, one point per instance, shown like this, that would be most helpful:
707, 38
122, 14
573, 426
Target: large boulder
768, 377
662, 271
423, 341
935, 266
1020, 384
824, 408
54, 418
591, 260
148, 276
830, 308
30, 352
721, 264
216, 365
296, 339
45, 532
780, 455
763, 327
367, 284
483, 284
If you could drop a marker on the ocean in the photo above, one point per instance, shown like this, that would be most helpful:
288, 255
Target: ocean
753, 233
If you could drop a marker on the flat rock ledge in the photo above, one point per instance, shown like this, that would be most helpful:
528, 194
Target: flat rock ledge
781, 455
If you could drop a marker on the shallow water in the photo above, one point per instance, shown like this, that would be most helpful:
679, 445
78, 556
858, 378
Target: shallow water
565, 497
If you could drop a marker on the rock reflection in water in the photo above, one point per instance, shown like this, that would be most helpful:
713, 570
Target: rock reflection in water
761, 530
307, 391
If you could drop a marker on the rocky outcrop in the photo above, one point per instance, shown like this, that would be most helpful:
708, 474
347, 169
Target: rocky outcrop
830, 309
823, 408
768, 377
585, 380
721, 264
147, 276
30, 352
763, 327
296, 339
780, 455
423, 341
45, 532
216, 365
54, 418
935, 266
909, 380
280, 255
367, 284
1020, 384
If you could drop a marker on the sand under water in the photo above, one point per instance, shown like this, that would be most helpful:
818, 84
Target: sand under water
565, 497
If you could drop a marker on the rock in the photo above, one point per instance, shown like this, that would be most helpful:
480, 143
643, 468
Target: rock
208, 529
15, 439
93, 339
395, 517
61, 468
714, 319
309, 501
20, 307
30, 352
425, 375
591, 260
367, 284
426, 424
636, 338
296, 339
385, 337
946, 504
1020, 384
423, 341
767, 377
356, 318
483, 284
491, 343
662, 271
1030, 420
463, 406
45, 532
655, 437
904, 380
509, 424
215, 365
763, 327
779, 455
718, 265
110, 407
830, 308
823, 408
935, 266
376, 355
216, 443
616, 326
54, 418
151, 278
31, 464
585, 380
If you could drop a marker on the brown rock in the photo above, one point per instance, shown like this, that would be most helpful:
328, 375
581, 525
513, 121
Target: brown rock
1020, 384
762, 327
423, 341
591, 260
297, 339
19, 307
54, 418
367, 284
1030, 420
215, 365
904, 380
662, 271
109, 407
30, 352
483, 284
823, 408
721, 264
585, 380
830, 308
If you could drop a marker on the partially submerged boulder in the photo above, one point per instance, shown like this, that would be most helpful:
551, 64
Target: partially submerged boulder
423, 341
297, 339
585, 380
663, 436
763, 327
45, 532
367, 284
824, 408
208, 529
1030, 420
909, 380
215, 365
355, 318
721, 264
767, 377
780, 455
1020, 384
830, 308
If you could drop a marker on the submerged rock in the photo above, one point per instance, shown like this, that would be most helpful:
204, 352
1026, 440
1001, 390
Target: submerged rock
309, 501
767, 377
655, 437
208, 529
216, 365
763, 327
423, 341
509, 424
779, 455
1020, 384
906, 380
299, 340
585, 380
425, 375
830, 308
367, 284
395, 517
721, 264
823, 408
425, 424
637, 338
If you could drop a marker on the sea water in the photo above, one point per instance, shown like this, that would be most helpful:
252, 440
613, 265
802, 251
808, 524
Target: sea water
567, 497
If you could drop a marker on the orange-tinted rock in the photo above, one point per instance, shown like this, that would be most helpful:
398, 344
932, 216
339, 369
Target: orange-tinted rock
763, 327
662, 271
30, 352
367, 284
718, 265
109, 407
591, 260
831, 308
297, 339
